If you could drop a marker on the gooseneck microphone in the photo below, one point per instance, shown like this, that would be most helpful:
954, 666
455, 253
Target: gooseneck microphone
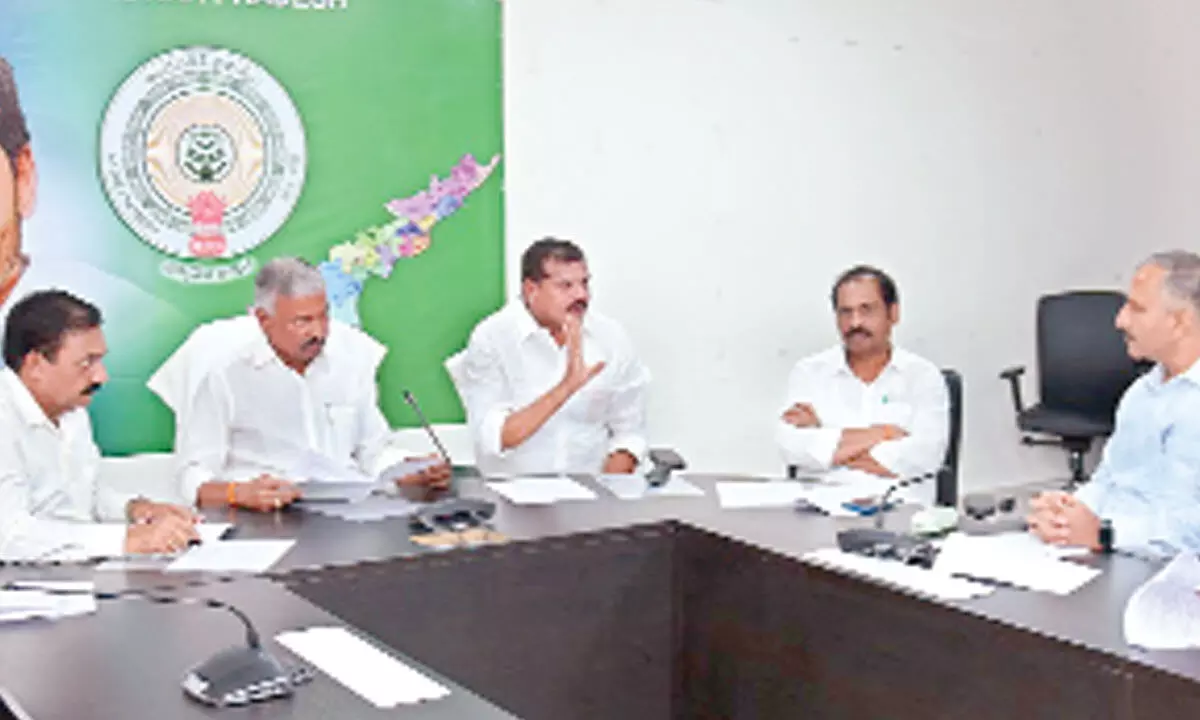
877, 542
236, 676
412, 402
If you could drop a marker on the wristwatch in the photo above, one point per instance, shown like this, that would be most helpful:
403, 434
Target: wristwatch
1106, 537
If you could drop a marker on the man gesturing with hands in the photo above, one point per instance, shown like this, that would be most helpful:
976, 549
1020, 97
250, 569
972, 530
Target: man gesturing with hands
549, 385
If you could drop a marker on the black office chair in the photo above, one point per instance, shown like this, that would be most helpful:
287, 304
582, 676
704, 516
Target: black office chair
1083, 369
947, 475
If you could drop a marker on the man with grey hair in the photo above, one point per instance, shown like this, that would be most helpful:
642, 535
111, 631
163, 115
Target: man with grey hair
1145, 495
295, 388
18, 182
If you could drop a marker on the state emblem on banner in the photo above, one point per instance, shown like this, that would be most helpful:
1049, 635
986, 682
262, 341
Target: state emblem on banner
202, 155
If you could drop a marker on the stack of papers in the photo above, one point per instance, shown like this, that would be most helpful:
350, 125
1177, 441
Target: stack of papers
1015, 559
1164, 614
891, 572
635, 487
370, 509
252, 556
334, 492
30, 600
541, 490
377, 677
404, 468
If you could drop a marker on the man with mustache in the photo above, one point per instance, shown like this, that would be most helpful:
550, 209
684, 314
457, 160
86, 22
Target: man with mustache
299, 385
18, 183
50, 502
866, 409
1145, 495
549, 385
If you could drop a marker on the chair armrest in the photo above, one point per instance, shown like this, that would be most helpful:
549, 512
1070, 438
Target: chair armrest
1013, 376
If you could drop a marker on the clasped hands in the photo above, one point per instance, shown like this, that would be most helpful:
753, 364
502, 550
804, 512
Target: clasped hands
1061, 519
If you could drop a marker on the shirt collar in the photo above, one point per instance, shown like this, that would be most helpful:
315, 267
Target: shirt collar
31, 413
526, 326
260, 353
897, 363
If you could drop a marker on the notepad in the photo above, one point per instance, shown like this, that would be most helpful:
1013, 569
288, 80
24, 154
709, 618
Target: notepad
541, 490
635, 487
252, 556
892, 572
374, 675
1010, 558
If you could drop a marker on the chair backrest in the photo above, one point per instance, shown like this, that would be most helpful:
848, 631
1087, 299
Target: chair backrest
947, 482
1083, 366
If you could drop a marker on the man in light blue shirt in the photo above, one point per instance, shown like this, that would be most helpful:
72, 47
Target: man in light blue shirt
1145, 496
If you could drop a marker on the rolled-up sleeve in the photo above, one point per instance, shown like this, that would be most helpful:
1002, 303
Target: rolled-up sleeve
810, 449
487, 395
923, 450
627, 411
203, 443
24, 536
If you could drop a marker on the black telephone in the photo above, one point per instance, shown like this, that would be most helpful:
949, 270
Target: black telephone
664, 460
453, 515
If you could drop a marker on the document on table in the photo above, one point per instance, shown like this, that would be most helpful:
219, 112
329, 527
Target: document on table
316, 491
541, 490
29, 599
892, 572
208, 532
252, 556
374, 675
635, 487
1164, 614
370, 509
738, 494
1015, 559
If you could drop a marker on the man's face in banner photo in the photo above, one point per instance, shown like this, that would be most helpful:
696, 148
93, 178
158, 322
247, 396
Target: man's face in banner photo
18, 182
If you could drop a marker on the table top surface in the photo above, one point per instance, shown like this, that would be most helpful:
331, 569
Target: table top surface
1090, 617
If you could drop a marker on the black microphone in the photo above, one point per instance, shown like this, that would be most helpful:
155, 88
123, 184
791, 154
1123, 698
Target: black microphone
877, 542
412, 402
237, 675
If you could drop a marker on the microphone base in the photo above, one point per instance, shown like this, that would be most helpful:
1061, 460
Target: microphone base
242, 675
873, 542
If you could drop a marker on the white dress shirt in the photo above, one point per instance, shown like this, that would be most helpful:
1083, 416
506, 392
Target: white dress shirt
50, 503
910, 393
255, 415
511, 361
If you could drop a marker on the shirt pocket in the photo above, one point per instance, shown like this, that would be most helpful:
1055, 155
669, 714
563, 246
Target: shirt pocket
895, 413
343, 430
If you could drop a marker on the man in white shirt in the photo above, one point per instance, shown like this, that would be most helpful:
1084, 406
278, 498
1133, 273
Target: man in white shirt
50, 503
866, 409
549, 386
18, 182
297, 389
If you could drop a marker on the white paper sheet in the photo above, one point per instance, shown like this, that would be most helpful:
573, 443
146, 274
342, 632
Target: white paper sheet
253, 556
315, 467
1010, 558
30, 601
1164, 614
891, 572
737, 494
635, 487
404, 468
541, 490
334, 492
374, 675
373, 508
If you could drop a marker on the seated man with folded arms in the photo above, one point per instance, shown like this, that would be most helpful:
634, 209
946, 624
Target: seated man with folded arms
1146, 491
549, 385
50, 502
298, 386
866, 408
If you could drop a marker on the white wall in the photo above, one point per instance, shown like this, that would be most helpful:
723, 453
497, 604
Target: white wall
721, 162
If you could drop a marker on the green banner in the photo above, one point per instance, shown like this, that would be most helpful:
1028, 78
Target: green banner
180, 144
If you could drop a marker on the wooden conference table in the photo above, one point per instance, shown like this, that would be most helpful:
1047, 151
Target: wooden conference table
656, 608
